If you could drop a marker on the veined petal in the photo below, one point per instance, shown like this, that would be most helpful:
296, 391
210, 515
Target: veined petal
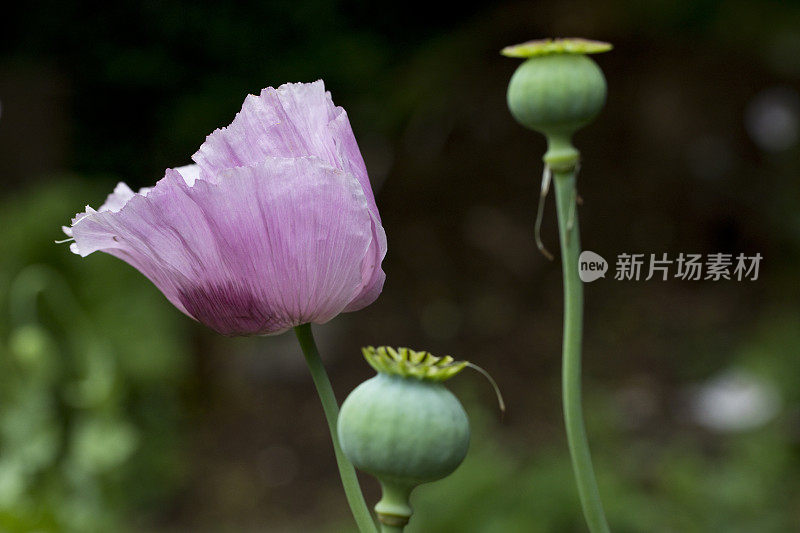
350, 156
273, 125
294, 120
267, 247
117, 199
372, 274
122, 194
190, 173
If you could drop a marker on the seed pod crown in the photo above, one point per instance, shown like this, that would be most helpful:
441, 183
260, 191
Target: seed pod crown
408, 363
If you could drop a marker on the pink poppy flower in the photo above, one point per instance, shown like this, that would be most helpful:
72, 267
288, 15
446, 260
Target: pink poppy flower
273, 227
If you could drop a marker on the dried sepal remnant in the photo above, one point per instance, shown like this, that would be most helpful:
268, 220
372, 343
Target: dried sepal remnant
405, 362
274, 226
543, 47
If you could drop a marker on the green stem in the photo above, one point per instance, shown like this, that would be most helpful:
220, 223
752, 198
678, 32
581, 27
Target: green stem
566, 198
347, 472
394, 509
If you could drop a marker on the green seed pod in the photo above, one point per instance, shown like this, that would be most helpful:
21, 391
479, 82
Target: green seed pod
404, 430
556, 92
404, 426
558, 89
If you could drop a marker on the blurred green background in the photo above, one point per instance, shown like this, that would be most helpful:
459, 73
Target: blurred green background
117, 413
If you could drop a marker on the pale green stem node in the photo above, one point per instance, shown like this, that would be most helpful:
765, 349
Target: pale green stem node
394, 508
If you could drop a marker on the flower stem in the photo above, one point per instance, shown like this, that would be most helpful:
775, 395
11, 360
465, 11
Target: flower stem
394, 509
347, 472
566, 197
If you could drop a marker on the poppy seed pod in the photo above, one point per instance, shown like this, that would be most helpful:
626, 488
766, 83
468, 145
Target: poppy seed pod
558, 89
404, 430
404, 426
